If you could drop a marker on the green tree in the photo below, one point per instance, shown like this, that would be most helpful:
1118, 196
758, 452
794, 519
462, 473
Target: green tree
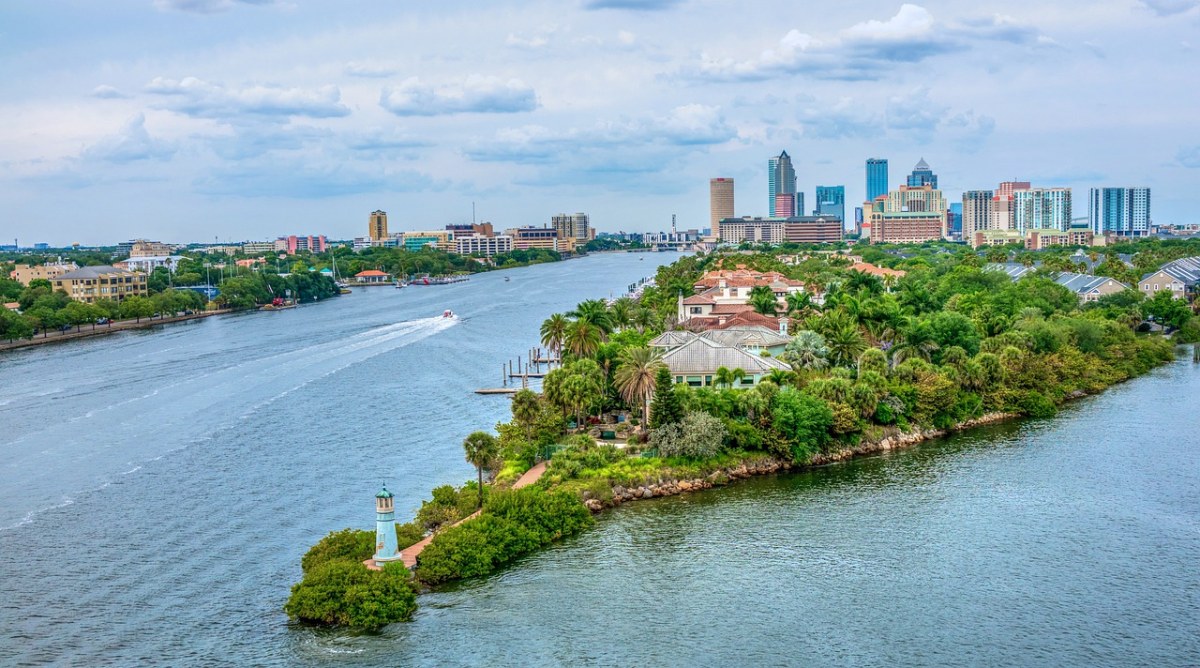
554, 332
802, 419
480, 449
636, 375
137, 307
806, 350
594, 311
763, 300
583, 338
665, 408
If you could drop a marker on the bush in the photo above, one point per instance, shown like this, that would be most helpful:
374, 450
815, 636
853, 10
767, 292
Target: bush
698, 435
354, 545
514, 523
347, 593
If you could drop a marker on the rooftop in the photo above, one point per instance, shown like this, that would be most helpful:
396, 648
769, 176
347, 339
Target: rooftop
701, 355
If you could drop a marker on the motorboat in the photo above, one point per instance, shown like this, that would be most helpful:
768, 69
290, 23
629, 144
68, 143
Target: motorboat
448, 314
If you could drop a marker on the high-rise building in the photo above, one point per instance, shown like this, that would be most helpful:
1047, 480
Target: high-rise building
377, 226
781, 180
785, 205
831, 201
1121, 211
954, 221
1041, 209
922, 175
572, 226
877, 178
977, 213
1003, 208
720, 203
908, 215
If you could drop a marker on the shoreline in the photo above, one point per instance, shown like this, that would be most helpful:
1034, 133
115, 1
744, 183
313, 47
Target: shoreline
102, 330
893, 439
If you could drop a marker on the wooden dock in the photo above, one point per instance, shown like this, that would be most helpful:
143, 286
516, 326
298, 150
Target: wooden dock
496, 390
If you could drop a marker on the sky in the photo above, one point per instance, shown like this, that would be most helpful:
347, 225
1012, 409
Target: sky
230, 120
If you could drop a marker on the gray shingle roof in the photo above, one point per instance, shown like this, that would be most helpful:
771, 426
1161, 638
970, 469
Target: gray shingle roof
94, 272
672, 339
702, 356
743, 336
1185, 269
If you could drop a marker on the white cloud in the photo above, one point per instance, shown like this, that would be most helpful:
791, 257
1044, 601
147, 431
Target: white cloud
209, 6
475, 94
1170, 7
132, 144
199, 98
106, 92
371, 69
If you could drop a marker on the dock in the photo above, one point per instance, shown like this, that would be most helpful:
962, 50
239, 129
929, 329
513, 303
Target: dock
526, 368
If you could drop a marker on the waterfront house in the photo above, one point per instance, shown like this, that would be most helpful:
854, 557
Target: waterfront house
372, 277
1181, 277
726, 292
696, 363
752, 338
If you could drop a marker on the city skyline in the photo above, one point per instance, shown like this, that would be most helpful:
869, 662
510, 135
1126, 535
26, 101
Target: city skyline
195, 119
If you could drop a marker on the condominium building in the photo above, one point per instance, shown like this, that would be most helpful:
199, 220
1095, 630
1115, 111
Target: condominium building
1120, 211
24, 273
377, 228
774, 230
1041, 209
976, 213
482, 244
720, 203
572, 226
909, 214
89, 284
293, 244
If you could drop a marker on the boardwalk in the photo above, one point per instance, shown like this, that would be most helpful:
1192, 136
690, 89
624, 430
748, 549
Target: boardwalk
409, 554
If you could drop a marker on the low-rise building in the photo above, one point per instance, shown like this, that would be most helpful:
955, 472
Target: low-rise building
548, 238
372, 277
143, 248
996, 237
440, 239
1181, 277
1089, 288
258, 247
295, 244
24, 273
481, 244
149, 263
906, 227
89, 284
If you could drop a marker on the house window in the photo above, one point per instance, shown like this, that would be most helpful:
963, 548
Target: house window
748, 380
708, 380
693, 381
696, 309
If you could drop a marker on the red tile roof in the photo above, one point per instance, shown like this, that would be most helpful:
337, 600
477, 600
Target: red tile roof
371, 272
868, 268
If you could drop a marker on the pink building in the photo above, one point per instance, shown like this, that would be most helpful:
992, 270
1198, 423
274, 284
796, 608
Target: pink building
293, 244
785, 205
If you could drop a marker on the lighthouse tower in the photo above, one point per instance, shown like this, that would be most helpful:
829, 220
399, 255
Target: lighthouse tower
385, 527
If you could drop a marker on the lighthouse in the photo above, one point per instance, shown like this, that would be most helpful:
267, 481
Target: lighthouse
385, 528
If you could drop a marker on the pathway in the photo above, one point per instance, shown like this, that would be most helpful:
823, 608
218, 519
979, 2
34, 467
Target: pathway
409, 554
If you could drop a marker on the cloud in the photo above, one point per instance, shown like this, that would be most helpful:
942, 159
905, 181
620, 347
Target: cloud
475, 94
841, 120
381, 141
273, 179
106, 92
371, 69
536, 41
691, 125
870, 49
201, 99
1189, 156
132, 144
209, 6
636, 5
1170, 7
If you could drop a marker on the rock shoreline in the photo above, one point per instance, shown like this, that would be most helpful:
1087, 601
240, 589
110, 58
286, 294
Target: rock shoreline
893, 439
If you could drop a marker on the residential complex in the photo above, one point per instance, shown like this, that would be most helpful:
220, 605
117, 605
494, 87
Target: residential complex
774, 230
294, 244
1121, 211
1181, 278
720, 203
24, 273
1041, 208
89, 284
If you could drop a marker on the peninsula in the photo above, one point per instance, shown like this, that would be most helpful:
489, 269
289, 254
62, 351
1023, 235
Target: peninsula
751, 361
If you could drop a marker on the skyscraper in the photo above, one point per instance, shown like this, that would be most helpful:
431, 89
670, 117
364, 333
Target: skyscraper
922, 175
720, 203
831, 201
377, 226
977, 213
781, 180
877, 178
1122, 211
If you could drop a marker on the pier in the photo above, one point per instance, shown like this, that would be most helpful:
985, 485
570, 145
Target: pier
532, 366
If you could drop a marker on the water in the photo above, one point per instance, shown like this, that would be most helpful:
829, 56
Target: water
158, 489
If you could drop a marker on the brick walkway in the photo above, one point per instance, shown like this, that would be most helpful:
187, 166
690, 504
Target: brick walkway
409, 554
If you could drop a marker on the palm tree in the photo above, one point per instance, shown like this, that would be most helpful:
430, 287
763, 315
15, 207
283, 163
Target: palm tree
635, 376
736, 375
806, 350
643, 319
763, 300
621, 312
480, 448
554, 333
781, 377
723, 377
845, 343
799, 304
917, 342
582, 338
596, 312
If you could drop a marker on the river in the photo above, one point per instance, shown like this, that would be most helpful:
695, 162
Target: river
159, 488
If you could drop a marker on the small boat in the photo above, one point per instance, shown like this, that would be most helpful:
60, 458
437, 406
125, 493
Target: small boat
401, 284
448, 314
507, 279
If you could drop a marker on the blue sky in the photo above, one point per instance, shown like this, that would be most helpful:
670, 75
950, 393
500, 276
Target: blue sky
195, 120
